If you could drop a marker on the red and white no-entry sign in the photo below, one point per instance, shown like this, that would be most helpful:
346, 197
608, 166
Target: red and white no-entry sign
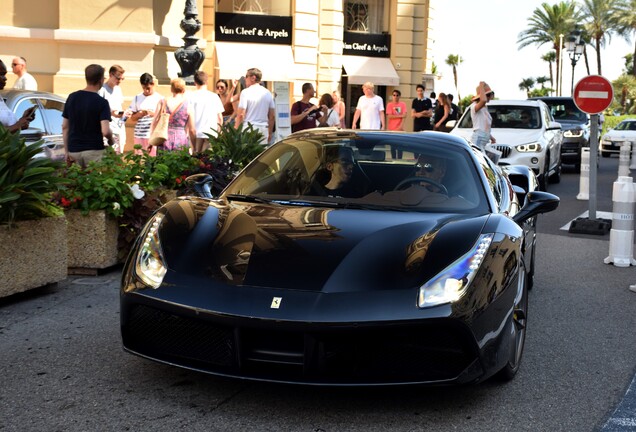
593, 94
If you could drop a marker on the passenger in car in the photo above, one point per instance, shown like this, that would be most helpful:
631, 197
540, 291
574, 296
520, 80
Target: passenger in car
335, 176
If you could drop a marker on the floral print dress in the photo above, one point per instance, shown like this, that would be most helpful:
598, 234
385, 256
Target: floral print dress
177, 136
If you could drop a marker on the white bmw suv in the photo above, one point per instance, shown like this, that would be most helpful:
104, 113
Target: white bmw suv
526, 134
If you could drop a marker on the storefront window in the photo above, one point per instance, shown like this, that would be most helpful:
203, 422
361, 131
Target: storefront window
364, 16
256, 7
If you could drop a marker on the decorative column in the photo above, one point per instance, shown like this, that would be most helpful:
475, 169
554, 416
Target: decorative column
189, 56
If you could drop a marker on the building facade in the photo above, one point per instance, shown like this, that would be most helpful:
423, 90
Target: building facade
335, 44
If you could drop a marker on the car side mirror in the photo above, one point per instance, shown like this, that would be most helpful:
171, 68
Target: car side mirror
554, 126
536, 202
202, 184
451, 123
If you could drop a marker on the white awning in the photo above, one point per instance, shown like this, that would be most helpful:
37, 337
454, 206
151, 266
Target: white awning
378, 70
275, 61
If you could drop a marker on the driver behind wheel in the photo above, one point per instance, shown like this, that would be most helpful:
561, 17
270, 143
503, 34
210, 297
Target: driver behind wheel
431, 167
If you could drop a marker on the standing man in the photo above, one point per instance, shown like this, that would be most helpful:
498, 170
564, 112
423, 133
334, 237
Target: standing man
303, 113
256, 106
113, 94
370, 109
208, 111
25, 80
421, 111
454, 114
395, 114
85, 120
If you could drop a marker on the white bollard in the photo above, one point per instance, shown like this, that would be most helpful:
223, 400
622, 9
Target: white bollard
584, 179
621, 245
623, 159
632, 166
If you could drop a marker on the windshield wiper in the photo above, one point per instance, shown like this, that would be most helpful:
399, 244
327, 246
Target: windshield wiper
248, 198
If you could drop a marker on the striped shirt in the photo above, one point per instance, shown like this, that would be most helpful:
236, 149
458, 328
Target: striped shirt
142, 102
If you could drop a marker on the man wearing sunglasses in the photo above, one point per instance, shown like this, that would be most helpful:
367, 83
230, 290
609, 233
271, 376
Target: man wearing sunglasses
25, 80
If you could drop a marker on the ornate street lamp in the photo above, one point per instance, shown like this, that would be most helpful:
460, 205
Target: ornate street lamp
574, 46
189, 56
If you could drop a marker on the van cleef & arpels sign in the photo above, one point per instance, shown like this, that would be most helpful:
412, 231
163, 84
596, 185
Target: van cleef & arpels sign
267, 29
367, 44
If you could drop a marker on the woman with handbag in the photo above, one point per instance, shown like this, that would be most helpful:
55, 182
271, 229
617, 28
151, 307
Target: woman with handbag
175, 119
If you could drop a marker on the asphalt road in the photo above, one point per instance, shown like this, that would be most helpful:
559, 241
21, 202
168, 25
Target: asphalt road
62, 367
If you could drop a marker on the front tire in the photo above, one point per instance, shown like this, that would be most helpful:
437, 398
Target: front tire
518, 328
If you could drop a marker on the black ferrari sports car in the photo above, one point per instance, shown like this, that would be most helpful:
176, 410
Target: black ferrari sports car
327, 262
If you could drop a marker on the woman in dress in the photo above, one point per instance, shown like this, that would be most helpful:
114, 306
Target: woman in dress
142, 108
181, 124
442, 112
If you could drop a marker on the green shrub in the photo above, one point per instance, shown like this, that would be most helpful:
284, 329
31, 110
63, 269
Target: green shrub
239, 145
27, 183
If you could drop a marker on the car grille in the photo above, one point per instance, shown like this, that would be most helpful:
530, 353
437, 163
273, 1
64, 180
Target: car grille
415, 353
504, 149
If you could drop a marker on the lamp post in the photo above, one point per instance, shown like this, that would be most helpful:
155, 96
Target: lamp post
560, 67
574, 46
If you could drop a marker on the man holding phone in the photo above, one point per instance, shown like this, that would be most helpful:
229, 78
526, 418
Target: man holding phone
303, 113
111, 91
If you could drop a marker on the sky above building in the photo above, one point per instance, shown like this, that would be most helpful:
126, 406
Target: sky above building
484, 34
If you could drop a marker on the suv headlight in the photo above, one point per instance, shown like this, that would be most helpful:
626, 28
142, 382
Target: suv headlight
534, 147
574, 133
150, 265
451, 284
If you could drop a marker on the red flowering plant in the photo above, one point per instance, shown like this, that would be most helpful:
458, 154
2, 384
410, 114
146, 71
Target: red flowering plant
106, 185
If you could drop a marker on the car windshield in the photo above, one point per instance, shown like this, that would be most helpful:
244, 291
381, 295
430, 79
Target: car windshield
626, 125
509, 117
355, 170
566, 110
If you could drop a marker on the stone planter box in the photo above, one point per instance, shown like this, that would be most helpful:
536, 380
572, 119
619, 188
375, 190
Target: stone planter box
92, 240
32, 254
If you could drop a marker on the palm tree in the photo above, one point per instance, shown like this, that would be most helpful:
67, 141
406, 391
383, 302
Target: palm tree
454, 60
625, 14
625, 90
526, 84
542, 80
550, 57
547, 24
600, 23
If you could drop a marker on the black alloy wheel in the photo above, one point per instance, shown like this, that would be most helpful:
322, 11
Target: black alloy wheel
519, 318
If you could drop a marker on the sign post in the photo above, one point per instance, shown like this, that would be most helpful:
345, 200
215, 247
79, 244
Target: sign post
592, 95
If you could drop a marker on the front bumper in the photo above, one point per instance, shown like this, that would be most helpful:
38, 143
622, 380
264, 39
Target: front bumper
346, 339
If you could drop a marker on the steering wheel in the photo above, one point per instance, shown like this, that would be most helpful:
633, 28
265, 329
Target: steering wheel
440, 187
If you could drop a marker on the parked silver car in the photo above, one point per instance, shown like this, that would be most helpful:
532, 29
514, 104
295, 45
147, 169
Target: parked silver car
47, 124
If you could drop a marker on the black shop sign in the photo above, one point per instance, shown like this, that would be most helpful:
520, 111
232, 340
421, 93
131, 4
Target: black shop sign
367, 44
268, 29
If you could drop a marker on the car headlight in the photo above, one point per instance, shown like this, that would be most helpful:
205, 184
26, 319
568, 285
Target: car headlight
574, 133
150, 265
451, 284
534, 147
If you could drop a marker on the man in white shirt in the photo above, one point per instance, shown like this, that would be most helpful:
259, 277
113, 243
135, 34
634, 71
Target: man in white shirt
370, 109
256, 105
25, 80
111, 91
208, 111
